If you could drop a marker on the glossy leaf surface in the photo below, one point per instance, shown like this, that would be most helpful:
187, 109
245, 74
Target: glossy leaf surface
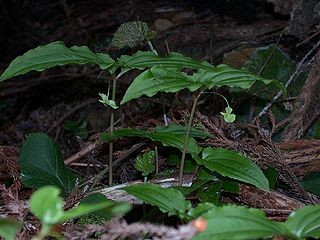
304, 223
196, 132
168, 200
52, 55
142, 60
160, 79
234, 165
233, 222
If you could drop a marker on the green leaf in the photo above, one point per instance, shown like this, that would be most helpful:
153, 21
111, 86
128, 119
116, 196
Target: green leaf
304, 223
55, 54
145, 163
168, 200
231, 164
166, 138
228, 116
197, 132
131, 34
107, 206
107, 102
230, 186
111, 210
279, 67
311, 182
158, 79
41, 164
210, 194
9, 228
177, 141
142, 60
233, 222
200, 209
189, 164
47, 205
77, 128
224, 75
272, 175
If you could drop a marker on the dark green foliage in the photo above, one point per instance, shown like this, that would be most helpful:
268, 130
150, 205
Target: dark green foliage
234, 165
52, 55
145, 163
41, 164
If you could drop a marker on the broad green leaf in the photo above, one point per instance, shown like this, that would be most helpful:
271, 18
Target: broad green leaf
41, 164
311, 182
168, 200
230, 186
175, 140
166, 138
234, 165
145, 163
200, 209
47, 205
235, 223
131, 34
304, 223
113, 209
224, 75
197, 132
210, 194
9, 228
189, 163
279, 67
158, 79
194, 187
55, 54
142, 60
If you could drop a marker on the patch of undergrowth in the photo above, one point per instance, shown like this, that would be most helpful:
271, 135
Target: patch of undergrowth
226, 222
41, 162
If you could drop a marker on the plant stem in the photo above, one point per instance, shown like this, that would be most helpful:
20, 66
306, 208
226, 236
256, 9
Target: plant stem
157, 159
152, 48
113, 97
186, 138
165, 119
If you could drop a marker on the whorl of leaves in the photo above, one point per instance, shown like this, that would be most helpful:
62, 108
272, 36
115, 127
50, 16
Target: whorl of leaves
131, 34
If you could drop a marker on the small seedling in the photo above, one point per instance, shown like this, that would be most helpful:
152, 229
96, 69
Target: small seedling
145, 163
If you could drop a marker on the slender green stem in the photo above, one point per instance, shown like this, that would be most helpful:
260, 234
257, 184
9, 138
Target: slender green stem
165, 119
224, 98
113, 97
157, 159
186, 138
45, 229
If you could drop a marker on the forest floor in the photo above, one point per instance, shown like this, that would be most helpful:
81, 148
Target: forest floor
279, 133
